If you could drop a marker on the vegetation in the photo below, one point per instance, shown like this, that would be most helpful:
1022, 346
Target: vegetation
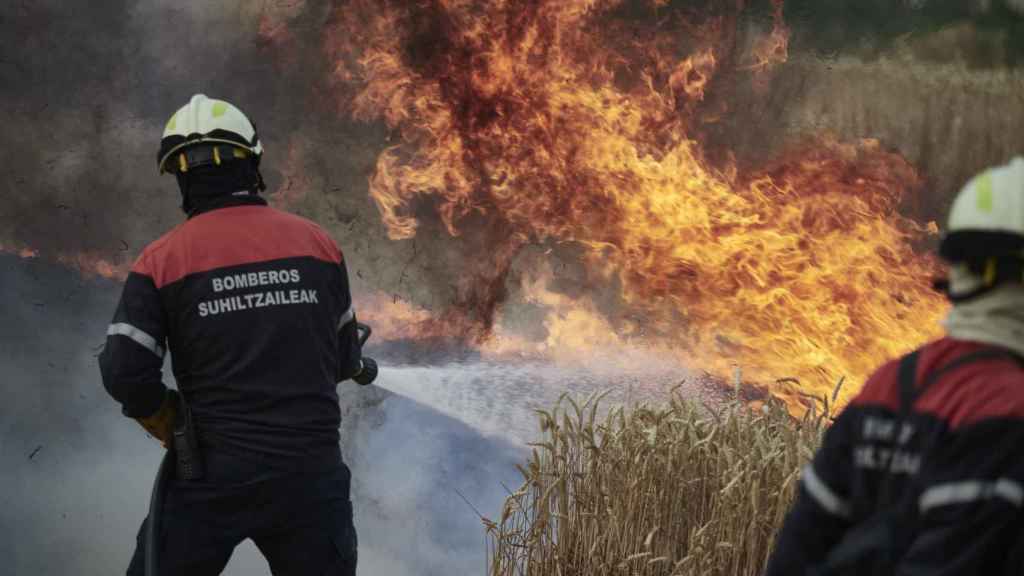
836, 26
679, 489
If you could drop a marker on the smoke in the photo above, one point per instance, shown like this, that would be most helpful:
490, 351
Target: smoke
77, 473
63, 445
430, 446
85, 89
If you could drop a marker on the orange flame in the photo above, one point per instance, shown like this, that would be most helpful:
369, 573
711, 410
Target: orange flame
391, 318
88, 264
573, 326
92, 265
773, 49
545, 121
274, 19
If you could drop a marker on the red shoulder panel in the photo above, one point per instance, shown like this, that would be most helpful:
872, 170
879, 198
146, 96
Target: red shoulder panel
986, 389
880, 389
144, 263
231, 237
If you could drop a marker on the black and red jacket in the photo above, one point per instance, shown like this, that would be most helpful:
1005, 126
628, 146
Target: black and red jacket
254, 306
953, 462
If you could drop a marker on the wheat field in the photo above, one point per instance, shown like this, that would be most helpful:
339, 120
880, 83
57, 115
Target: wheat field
676, 489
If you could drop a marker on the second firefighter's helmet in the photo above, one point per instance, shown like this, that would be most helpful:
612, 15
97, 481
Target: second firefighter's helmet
207, 132
984, 240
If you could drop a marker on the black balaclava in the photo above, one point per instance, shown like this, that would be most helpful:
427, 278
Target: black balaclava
206, 187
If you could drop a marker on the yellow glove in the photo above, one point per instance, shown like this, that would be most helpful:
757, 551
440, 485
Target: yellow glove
161, 423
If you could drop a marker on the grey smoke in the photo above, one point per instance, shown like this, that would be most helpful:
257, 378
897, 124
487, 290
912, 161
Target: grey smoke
84, 91
430, 446
85, 88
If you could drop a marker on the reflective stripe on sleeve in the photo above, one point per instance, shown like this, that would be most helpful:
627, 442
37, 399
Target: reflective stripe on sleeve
823, 495
141, 338
971, 491
347, 317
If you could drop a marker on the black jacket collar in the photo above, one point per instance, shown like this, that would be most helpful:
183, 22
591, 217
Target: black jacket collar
227, 201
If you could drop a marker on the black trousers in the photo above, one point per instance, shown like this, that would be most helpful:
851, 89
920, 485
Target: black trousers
300, 521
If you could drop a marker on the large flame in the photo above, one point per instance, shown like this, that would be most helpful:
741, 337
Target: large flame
576, 125
569, 122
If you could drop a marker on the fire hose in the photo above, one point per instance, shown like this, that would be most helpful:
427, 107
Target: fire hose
183, 458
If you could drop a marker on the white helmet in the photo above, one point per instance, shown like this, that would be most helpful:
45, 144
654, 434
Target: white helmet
985, 236
195, 133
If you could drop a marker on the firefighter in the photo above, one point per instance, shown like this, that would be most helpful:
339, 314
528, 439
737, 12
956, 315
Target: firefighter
922, 472
253, 305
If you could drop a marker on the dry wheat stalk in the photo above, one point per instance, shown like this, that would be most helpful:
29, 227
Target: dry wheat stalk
672, 490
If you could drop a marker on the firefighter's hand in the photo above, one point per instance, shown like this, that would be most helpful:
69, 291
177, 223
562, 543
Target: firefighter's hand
161, 423
368, 373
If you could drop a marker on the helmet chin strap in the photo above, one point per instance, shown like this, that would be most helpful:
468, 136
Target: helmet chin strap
965, 284
261, 186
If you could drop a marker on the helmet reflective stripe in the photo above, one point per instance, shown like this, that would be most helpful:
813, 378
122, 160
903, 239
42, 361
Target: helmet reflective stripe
204, 120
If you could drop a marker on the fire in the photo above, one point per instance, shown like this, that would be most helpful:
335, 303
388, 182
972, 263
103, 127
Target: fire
274, 18
573, 326
390, 317
274, 30
93, 265
88, 264
773, 49
564, 123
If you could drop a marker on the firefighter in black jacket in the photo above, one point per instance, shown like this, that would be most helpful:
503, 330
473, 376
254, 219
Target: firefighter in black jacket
253, 305
923, 472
